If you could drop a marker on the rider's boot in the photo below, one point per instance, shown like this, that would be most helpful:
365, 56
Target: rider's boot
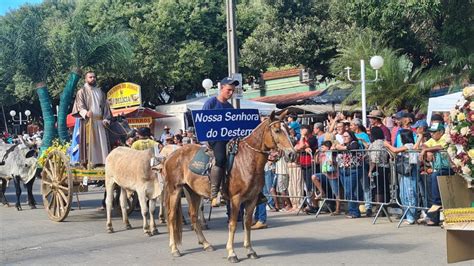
215, 177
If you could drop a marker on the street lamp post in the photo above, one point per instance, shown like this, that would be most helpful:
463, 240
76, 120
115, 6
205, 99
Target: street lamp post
20, 120
376, 62
207, 85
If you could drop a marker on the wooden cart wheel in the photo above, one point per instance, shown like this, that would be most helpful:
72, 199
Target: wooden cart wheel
56, 186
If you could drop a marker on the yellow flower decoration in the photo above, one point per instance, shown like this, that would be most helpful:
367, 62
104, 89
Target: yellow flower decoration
461, 117
471, 153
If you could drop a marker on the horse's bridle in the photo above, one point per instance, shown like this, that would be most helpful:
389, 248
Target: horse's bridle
273, 139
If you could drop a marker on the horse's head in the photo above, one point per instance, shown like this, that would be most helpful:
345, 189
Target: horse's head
279, 138
119, 130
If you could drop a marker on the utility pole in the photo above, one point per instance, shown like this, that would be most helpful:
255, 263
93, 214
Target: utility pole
232, 57
4, 119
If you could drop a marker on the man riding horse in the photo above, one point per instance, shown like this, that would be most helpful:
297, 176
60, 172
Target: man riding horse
218, 171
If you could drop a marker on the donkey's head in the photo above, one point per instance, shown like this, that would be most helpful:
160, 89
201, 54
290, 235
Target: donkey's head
277, 136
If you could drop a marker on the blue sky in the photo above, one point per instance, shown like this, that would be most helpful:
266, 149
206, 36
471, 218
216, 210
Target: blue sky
7, 5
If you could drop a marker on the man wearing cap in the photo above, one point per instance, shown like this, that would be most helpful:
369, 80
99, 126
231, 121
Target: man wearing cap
375, 118
441, 165
219, 147
166, 133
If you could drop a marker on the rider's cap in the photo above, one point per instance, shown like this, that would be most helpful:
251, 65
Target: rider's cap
229, 81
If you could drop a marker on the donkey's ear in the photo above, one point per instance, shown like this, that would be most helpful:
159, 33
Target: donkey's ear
272, 116
283, 114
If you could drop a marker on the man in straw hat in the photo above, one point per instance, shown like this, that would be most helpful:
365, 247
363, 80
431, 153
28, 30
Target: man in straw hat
375, 118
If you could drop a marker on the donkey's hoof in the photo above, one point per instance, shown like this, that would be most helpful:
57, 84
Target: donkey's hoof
233, 259
110, 230
252, 255
209, 248
176, 253
128, 226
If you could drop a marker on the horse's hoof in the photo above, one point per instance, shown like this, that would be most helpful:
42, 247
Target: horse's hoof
161, 221
32, 207
155, 232
233, 259
110, 230
18, 208
252, 255
176, 254
128, 226
209, 248
148, 233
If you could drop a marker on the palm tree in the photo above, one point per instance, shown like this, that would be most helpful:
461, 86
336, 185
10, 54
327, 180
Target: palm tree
108, 48
399, 82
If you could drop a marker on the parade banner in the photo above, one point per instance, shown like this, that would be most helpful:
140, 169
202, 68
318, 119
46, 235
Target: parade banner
125, 94
224, 124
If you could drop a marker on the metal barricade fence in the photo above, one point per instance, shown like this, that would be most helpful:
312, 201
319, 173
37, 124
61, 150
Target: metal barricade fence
417, 182
370, 177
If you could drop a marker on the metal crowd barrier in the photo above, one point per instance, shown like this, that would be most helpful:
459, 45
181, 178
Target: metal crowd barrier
396, 180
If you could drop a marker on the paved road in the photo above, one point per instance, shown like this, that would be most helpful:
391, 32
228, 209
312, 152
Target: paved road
28, 237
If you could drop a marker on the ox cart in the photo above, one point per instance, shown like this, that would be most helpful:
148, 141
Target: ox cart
60, 180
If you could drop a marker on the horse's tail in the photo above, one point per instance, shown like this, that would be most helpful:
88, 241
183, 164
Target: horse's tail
176, 224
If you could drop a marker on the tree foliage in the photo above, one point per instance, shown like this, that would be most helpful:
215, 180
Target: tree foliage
169, 46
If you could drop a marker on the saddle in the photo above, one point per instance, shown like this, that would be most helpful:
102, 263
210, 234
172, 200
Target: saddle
204, 159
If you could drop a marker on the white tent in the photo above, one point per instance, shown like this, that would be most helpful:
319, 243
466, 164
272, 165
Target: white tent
179, 110
442, 103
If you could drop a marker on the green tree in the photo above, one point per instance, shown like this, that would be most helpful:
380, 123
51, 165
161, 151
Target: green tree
291, 33
400, 81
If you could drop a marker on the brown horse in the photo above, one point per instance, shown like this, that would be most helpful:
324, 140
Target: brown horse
245, 182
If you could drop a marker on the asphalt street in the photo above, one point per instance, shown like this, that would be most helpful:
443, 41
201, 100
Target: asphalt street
30, 238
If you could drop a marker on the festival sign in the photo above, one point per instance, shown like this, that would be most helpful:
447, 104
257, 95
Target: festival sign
224, 124
125, 94
138, 122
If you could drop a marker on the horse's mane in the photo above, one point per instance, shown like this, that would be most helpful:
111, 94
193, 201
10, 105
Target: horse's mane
264, 123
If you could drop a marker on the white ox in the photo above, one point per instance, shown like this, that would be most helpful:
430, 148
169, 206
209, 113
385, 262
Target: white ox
132, 171
17, 161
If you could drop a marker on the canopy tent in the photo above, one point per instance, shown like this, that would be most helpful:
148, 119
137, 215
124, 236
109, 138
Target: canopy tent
333, 95
442, 104
180, 111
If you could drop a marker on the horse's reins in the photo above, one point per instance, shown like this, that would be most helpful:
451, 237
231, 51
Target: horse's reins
273, 138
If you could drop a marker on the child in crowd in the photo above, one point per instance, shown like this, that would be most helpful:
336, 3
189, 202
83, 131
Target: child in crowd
328, 176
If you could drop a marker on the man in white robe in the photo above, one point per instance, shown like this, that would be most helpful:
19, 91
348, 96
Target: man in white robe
93, 109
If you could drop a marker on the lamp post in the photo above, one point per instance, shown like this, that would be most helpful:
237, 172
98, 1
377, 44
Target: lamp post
376, 62
207, 85
20, 120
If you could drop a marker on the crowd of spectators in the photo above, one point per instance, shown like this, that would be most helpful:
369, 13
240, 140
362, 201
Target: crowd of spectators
340, 158
32, 140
